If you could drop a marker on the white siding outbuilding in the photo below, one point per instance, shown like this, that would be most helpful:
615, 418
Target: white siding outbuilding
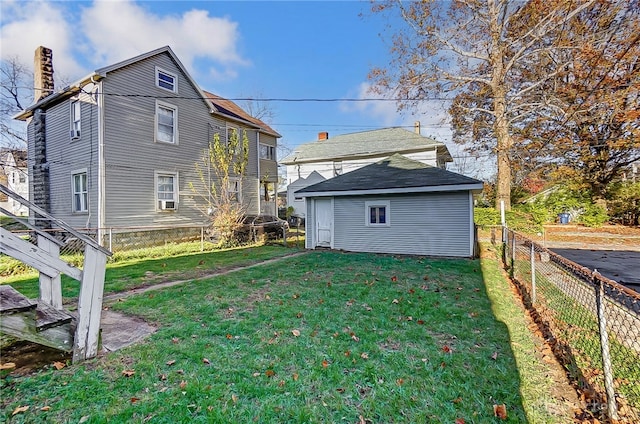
397, 205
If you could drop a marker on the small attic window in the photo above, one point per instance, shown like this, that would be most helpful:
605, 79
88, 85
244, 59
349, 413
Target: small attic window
166, 80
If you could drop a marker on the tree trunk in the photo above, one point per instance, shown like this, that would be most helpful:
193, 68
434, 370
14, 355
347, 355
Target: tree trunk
503, 183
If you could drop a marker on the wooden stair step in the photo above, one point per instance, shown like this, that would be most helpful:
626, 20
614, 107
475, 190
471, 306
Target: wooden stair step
49, 317
12, 301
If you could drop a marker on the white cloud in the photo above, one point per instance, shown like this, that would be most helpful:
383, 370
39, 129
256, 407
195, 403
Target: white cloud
123, 29
88, 35
27, 25
432, 114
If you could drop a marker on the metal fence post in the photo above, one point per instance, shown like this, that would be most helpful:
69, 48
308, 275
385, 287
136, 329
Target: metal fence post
202, 239
513, 254
612, 408
533, 274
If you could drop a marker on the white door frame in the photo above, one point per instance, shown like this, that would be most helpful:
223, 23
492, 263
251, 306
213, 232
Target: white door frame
328, 214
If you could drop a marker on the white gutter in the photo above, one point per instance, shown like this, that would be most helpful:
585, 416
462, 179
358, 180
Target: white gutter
400, 190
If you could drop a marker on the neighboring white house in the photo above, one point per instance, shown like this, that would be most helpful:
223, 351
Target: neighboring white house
14, 174
397, 205
329, 157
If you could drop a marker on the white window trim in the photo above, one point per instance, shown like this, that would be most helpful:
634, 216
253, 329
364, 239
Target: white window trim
176, 190
377, 204
75, 126
73, 191
270, 149
237, 181
165, 105
171, 74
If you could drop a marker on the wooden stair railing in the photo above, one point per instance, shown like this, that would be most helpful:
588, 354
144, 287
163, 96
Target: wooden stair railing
45, 258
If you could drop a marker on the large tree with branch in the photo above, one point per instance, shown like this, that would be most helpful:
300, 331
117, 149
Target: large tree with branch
588, 126
479, 49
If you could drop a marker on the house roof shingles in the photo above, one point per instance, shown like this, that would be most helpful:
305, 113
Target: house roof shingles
380, 142
395, 172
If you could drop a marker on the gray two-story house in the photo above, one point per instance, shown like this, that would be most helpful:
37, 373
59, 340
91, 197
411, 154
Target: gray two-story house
119, 147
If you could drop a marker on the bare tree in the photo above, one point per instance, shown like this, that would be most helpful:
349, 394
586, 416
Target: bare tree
480, 47
14, 93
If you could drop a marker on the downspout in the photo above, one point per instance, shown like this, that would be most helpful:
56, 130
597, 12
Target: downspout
258, 167
101, 164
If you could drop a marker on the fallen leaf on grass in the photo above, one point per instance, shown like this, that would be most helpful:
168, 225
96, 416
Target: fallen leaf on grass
45, 408
281, 383
295, 376
84, 419
256, 374
229, 336
134, 399
494, 356
340, 390
394, 278
396, 301
446, 349
400, 382
500, 411
206, 361
20, 409
355, 338
128, 373
460, 421
162, 377
299, 315
295, 333
457, 400
364, 355
7, 366
325, 364
59, 365
175, 340
183, 384
234, 398
171, 362
269, 373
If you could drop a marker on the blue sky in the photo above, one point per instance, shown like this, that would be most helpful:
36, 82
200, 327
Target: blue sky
237, 49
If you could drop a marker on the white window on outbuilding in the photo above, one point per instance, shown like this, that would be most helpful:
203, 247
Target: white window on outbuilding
166, 80
167, 190
80, 192
377, 213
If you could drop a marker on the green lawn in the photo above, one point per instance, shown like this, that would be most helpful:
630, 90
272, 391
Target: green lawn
322, 337
177, 262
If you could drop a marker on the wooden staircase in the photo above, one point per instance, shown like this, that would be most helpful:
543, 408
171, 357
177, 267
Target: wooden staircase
44, 321
35, 321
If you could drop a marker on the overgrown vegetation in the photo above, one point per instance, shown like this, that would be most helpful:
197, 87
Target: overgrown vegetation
329, 337
221, 171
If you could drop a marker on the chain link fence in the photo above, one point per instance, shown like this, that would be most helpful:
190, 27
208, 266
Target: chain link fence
592, 323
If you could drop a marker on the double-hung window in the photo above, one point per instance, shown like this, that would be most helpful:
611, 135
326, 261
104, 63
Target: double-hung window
234, 190
166, 80
75, 120
80, 192
166, 123
167, 190
378, 213
267, 152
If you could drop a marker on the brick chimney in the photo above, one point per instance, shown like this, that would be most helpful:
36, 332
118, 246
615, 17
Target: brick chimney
42, 73
416, 127
323, 136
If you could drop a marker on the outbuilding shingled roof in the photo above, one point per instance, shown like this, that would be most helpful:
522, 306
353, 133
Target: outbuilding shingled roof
396, 173
386, 141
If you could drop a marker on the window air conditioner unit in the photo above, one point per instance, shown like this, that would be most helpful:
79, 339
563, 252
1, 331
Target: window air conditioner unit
167, 204
74, 134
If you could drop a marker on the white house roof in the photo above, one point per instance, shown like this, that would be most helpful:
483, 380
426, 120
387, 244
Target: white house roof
382, 143
393, 175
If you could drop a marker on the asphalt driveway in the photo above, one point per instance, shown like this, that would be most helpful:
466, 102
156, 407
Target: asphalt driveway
622, 266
